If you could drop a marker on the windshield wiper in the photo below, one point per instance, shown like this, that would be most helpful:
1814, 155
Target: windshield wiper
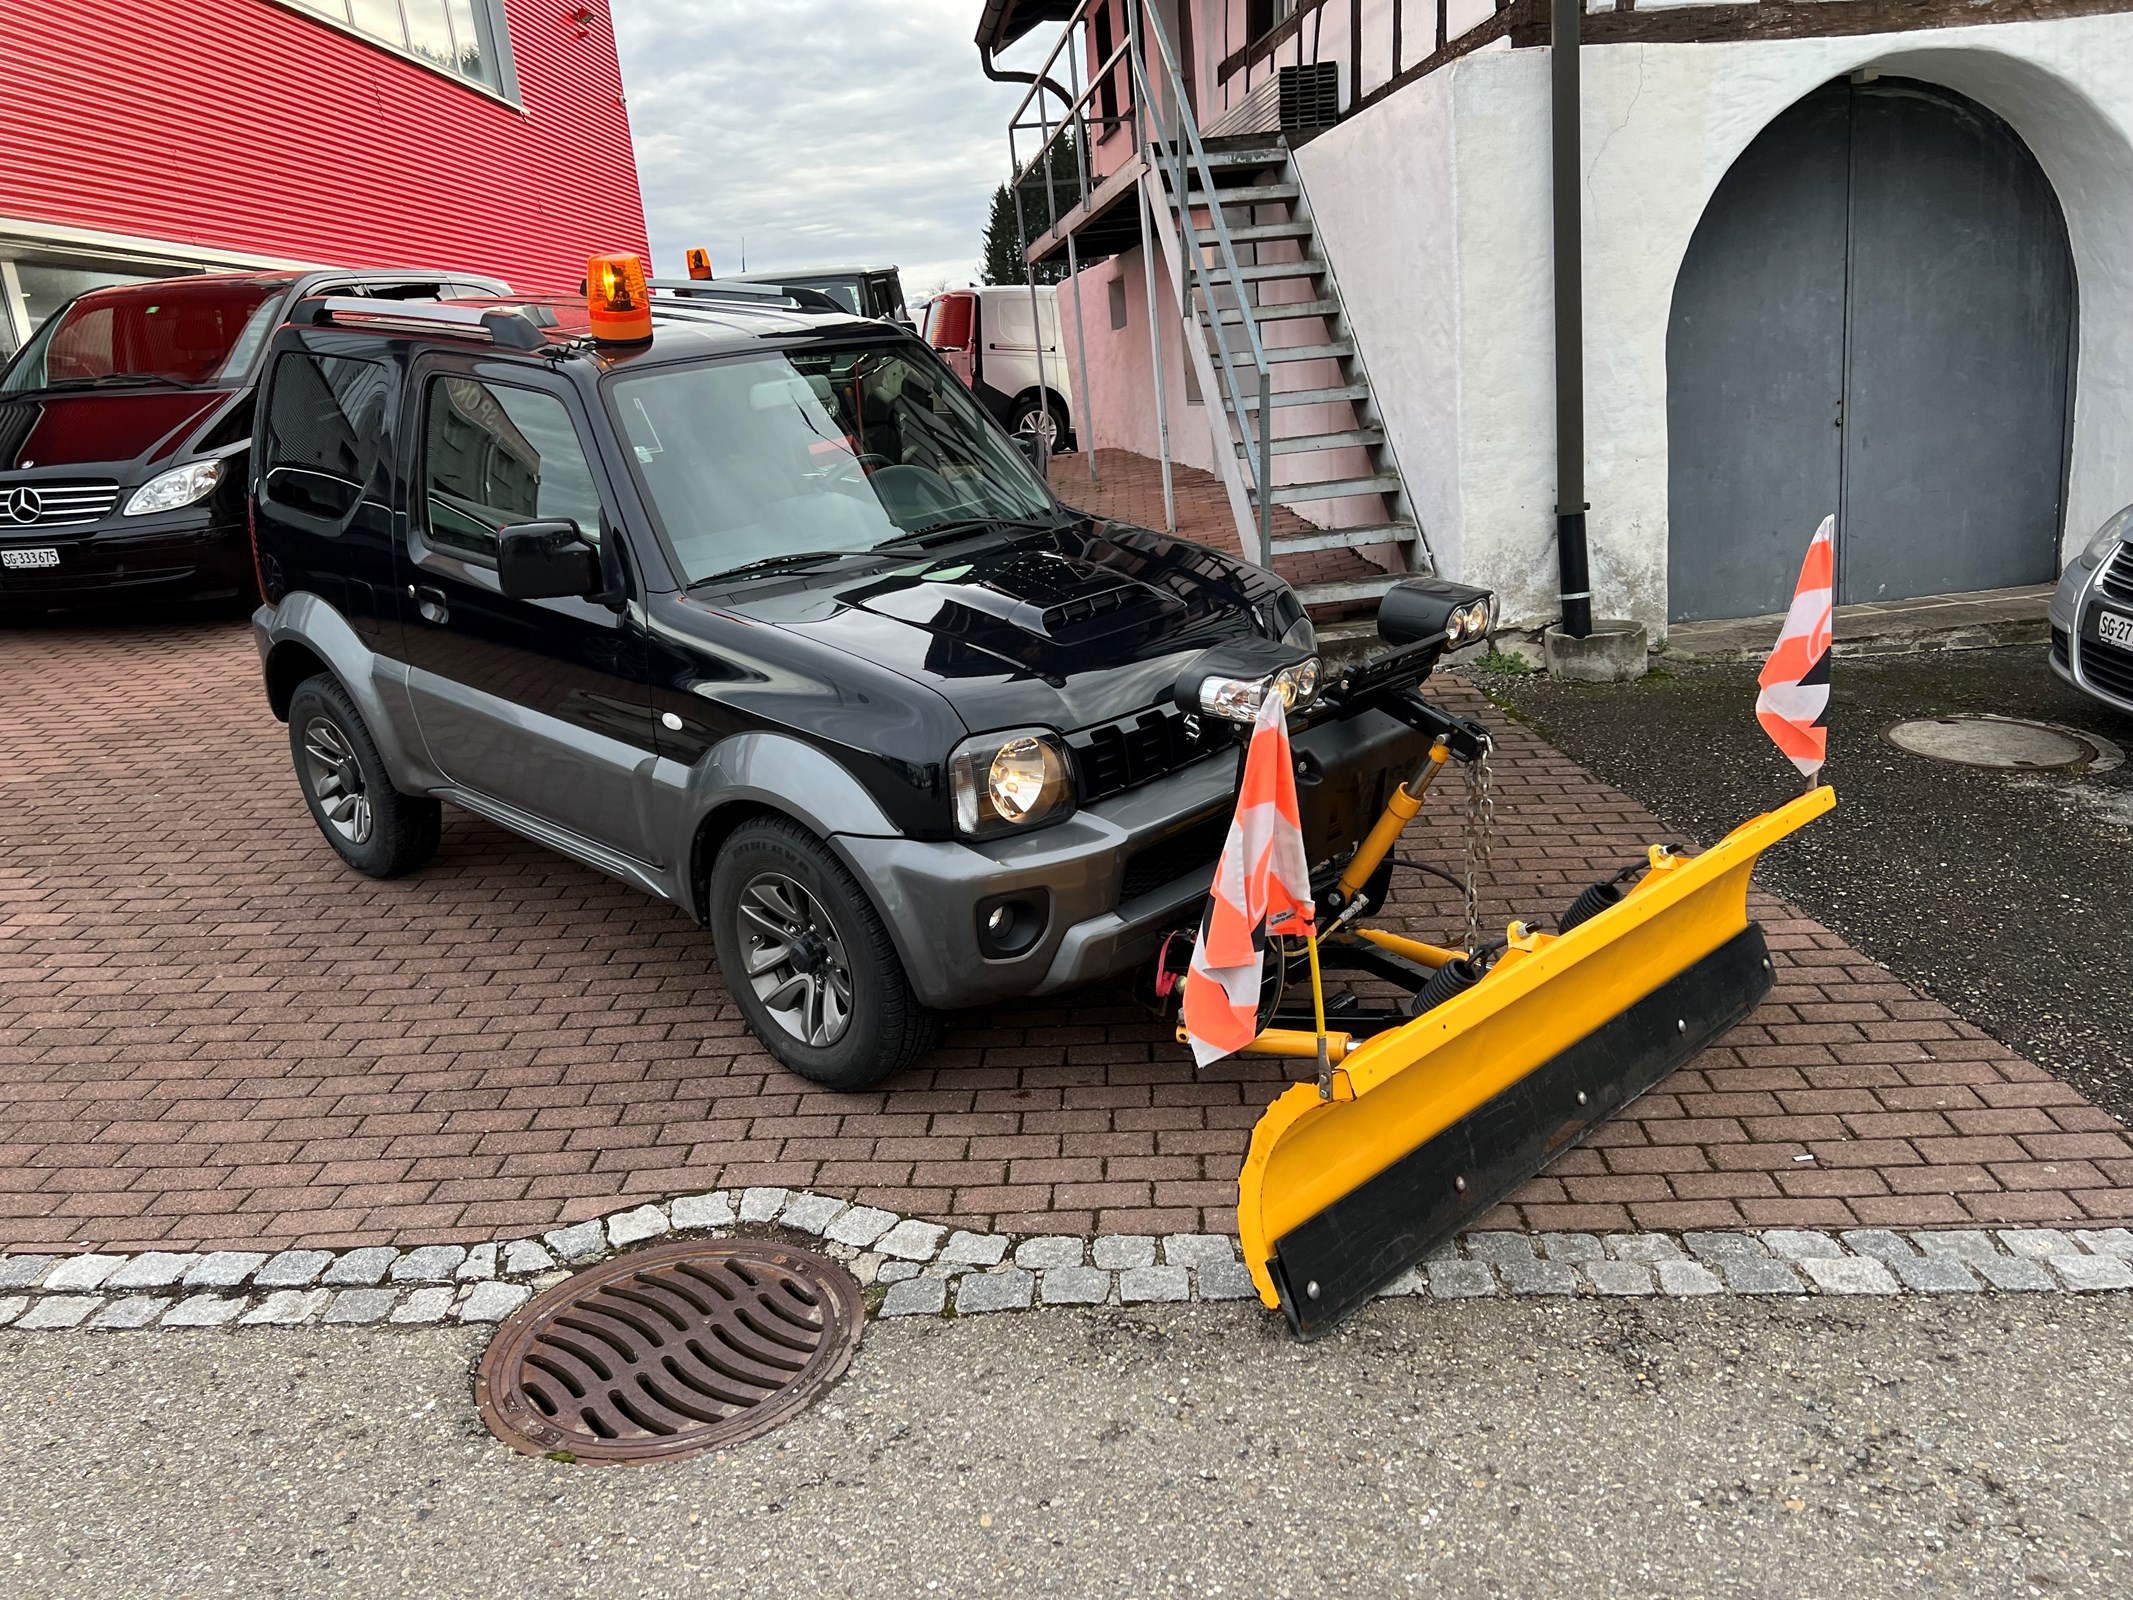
954, 527
108, 380
792, 558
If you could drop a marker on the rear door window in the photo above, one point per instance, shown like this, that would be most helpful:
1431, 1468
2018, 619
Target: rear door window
325, 422
494, 456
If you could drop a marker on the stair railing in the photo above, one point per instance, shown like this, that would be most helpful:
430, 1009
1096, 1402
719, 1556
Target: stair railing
1179, 158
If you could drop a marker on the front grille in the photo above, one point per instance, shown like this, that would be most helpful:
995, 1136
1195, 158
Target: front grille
54, 505
1113, 757
2059, 647
1195, 849
2117, 579
2108, 667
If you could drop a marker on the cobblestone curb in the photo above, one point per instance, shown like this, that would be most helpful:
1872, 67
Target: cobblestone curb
917, 1268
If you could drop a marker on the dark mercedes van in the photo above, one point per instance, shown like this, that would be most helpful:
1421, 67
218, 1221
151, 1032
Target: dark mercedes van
124, 422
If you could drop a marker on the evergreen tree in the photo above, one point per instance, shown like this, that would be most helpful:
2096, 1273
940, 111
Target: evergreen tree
1003, 246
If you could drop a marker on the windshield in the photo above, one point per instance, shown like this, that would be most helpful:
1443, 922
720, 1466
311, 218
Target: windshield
819, 450
174, 331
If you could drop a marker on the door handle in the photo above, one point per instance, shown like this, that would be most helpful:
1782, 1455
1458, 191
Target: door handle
429, 602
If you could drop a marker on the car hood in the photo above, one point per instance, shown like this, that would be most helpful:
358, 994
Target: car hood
112, 429
1063, 629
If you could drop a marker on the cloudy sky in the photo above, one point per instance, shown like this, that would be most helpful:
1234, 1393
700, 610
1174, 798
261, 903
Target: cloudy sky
841, 134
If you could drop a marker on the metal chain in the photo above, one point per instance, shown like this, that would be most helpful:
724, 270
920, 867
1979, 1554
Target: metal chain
1480, 840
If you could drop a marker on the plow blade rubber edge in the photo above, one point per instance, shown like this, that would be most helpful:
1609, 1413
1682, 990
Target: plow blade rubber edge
1434, 1122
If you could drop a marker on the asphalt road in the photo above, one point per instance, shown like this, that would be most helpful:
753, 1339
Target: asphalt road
1966, 1446
2007, 897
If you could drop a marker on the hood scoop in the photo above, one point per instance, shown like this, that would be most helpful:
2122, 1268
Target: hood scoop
1042, 594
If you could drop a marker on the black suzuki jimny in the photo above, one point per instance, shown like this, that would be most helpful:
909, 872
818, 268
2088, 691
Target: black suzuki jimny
761, 613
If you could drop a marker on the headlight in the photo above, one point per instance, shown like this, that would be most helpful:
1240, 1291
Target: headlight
180, 486
1004, 781
2111, 534
1466, 624
1239, 699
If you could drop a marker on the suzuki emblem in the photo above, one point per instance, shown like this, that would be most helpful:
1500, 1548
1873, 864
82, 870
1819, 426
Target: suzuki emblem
24, 505
1192, 727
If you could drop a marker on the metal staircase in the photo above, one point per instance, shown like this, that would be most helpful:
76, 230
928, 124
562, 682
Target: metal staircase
1234, 224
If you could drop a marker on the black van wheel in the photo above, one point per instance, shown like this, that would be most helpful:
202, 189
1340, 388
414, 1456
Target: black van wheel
808, 960
375, 828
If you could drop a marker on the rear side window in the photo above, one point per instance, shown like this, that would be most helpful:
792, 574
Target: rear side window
325, 424
494, 456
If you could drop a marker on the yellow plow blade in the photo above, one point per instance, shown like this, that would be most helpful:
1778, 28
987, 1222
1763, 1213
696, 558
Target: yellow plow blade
1432, 1122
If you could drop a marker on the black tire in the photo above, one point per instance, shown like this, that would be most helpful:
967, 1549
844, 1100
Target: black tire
1025, 418
397, 832
884, 1027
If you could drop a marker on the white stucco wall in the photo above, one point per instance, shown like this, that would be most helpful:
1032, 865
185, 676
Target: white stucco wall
1434, 206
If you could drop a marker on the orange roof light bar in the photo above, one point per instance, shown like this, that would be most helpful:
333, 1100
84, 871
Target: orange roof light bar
700, 264
617, 300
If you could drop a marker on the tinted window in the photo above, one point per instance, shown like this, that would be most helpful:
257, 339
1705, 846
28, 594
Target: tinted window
325, 420
494, 456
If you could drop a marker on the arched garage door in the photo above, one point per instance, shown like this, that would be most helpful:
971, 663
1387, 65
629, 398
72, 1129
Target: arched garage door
1873, 318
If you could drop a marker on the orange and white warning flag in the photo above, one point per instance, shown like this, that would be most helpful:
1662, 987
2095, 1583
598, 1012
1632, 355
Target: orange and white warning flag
1262, 886
1794, 704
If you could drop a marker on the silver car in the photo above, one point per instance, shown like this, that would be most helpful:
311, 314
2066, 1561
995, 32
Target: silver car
2092, 616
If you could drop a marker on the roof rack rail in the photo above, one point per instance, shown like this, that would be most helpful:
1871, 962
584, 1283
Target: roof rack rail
509, 327
783, 296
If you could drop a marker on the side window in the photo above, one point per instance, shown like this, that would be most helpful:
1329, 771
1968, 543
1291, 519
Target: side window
494, 456
325, 419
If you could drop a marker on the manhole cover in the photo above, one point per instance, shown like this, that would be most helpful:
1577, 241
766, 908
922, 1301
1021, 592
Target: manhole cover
2004, 744
670, 1352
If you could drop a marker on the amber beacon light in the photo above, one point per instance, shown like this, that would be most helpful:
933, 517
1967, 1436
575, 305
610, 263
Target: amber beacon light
616, 298
700, 264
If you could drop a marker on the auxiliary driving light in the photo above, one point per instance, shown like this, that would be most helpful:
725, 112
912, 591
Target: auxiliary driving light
1239, 699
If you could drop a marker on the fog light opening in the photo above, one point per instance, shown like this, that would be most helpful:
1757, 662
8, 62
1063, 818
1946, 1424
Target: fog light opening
1008, 925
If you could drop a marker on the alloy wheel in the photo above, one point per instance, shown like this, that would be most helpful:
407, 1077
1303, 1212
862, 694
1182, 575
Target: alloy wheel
795, 959
336, 780
1040, 424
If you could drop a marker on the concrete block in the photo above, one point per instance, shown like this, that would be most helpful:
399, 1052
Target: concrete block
1615, 651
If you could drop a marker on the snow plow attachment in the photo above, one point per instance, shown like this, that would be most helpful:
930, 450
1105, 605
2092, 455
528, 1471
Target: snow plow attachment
1431, 1119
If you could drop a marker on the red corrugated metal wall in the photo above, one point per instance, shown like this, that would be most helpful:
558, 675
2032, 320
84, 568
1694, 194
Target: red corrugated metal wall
238, 125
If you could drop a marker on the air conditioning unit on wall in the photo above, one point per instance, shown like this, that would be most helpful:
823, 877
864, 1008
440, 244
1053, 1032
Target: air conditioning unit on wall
1297, 101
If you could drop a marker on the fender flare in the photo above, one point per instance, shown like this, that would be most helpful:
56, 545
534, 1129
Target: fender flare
305, 621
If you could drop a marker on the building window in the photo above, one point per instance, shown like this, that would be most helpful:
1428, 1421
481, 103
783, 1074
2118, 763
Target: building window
1117, 286
1263, 16
467, 38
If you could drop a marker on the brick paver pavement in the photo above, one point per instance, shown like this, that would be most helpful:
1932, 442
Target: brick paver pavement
213, 1035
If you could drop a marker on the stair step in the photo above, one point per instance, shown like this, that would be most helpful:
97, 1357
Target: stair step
1257, 231
1311, 352
1308, 397
1294, 494
1301, 443
1275, 313
1266, 271
1247, 156
1326, 594
1251, 194
1344, 538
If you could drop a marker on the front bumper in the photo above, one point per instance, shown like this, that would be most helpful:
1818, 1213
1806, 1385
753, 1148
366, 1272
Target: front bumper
1114, 878
178, 556
2078, 653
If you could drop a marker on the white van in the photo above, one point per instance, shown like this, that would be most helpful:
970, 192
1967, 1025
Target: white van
987, 337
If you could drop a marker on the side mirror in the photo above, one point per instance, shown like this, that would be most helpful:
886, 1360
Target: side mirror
547, 561
1034, 452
